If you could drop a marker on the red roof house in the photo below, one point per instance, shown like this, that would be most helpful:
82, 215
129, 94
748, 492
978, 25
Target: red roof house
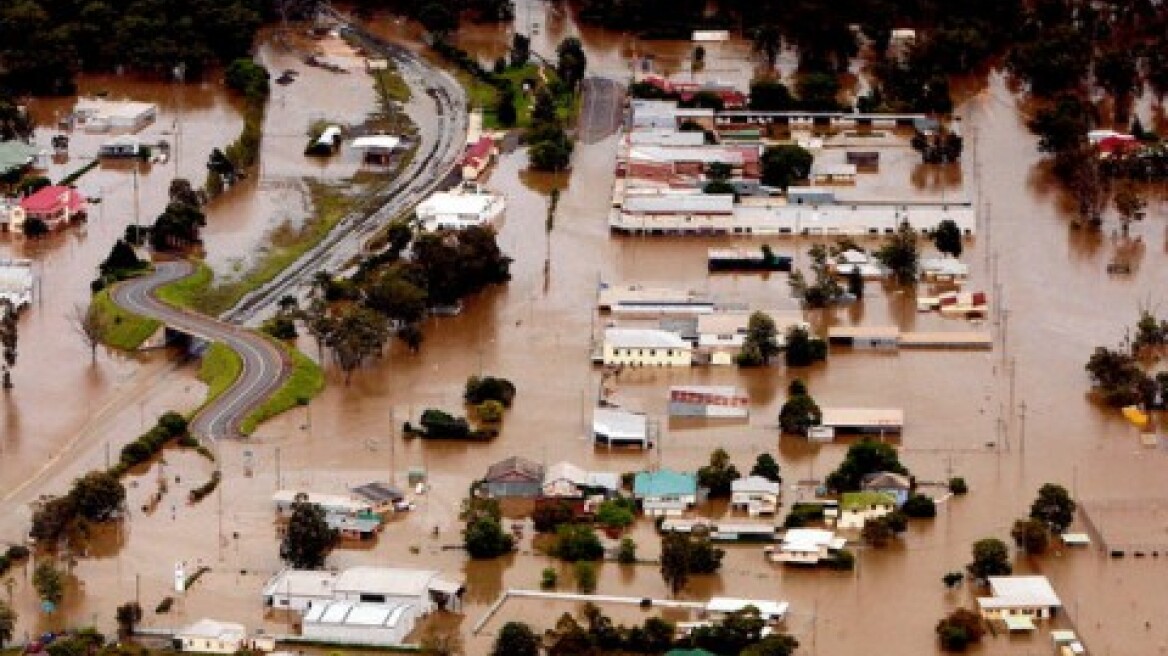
477, 157
55, 205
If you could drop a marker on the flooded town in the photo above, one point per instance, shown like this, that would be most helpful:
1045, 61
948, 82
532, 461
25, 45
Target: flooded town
584, 327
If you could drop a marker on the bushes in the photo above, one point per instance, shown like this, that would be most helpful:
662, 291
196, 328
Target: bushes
576, 542
920, 506
489, 388
440, 425
585, 577
803, 514
616, 513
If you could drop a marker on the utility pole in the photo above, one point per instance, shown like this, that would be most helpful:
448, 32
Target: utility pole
1022, 427
278, 478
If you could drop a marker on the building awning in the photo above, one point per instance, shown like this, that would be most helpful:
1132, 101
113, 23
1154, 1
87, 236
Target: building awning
1018, 622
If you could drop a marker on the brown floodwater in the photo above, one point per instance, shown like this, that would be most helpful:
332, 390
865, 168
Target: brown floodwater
536, 331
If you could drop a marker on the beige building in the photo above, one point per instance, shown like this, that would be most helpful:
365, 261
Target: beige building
755, 494
1018, 600
642, 347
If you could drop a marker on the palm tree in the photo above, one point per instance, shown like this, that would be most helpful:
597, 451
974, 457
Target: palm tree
768, 42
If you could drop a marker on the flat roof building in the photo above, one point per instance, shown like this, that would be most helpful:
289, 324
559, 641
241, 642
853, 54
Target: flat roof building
1027, 596
617, 427
645, 347
355, 623
298, 590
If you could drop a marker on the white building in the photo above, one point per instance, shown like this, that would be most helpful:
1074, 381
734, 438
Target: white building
460, 209
696, 214
213, 637
102, 115
17, 282
566, 480
805, 546
332, 504
354, 623
645, 347
756, 495
1019, 599
771, 611
616, 427
428, 590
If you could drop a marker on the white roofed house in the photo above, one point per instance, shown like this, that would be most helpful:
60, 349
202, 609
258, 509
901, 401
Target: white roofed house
208, 636
377, 148
1017, 600
428, 590
615, 427
644, 347
755, 495
567, 481
460, 209
805, 546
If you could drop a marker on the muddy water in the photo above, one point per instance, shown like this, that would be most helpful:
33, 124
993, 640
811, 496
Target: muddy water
536, 332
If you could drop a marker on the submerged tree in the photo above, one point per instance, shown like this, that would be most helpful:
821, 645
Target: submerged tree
900, 254
308, 538
8, 341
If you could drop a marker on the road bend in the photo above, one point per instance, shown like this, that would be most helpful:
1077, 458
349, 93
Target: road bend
265, 367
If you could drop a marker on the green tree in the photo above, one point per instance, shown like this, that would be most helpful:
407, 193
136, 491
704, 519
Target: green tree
960, 629
585, 572
1117, 71
248, 78
877, 532
718, 475
1056, 62
121, 260
626, 553
801, 349
489, 412
484, 538
899, 254
864, 457
571, 62
952, 579
767, 467
1031, 535
1054, 506
818, 91
394, 295
548, 579
733, 634
767, 41
505, 112
489, 388
799, 412
675, 561
548, 515
1130, 204
128, 615
516, 639
9, 339
91, 325
771, 96
772, 645
762, 334
990, 558
919, 506
307, 538
616, 513
520, 50
7, 623
439, 19
784, 165
98, 495
355, 335
947, 238
577, 542
48, 582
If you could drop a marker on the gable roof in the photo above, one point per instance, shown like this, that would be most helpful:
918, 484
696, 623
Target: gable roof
515, 468
53, 197
664, 482
754, 484
566, 471
885, 480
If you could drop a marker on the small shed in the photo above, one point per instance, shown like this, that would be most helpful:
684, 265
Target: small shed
514, 477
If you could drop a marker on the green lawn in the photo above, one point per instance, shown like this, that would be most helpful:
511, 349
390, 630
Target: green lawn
126, 330
185, 293
305, 382
221, 367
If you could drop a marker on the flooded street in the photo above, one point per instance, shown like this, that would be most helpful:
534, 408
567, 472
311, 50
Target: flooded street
536, 331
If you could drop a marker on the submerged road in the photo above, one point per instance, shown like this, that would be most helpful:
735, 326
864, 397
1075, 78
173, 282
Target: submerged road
438, 108
264, 366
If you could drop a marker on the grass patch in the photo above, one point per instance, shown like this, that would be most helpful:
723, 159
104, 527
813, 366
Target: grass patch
305, 382
126, 330
220, 369
389, 84
186, 292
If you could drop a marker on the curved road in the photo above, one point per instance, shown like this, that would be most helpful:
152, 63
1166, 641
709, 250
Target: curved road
264, 366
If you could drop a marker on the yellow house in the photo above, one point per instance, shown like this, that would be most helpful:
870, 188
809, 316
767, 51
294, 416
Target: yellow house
641, 347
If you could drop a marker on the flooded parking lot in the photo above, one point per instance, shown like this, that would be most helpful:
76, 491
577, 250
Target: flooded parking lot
536, 331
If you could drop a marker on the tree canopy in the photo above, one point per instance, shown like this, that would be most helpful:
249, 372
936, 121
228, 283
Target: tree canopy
864, 457
785, 165
308, 538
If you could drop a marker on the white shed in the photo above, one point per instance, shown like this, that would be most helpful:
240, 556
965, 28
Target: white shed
360, 624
